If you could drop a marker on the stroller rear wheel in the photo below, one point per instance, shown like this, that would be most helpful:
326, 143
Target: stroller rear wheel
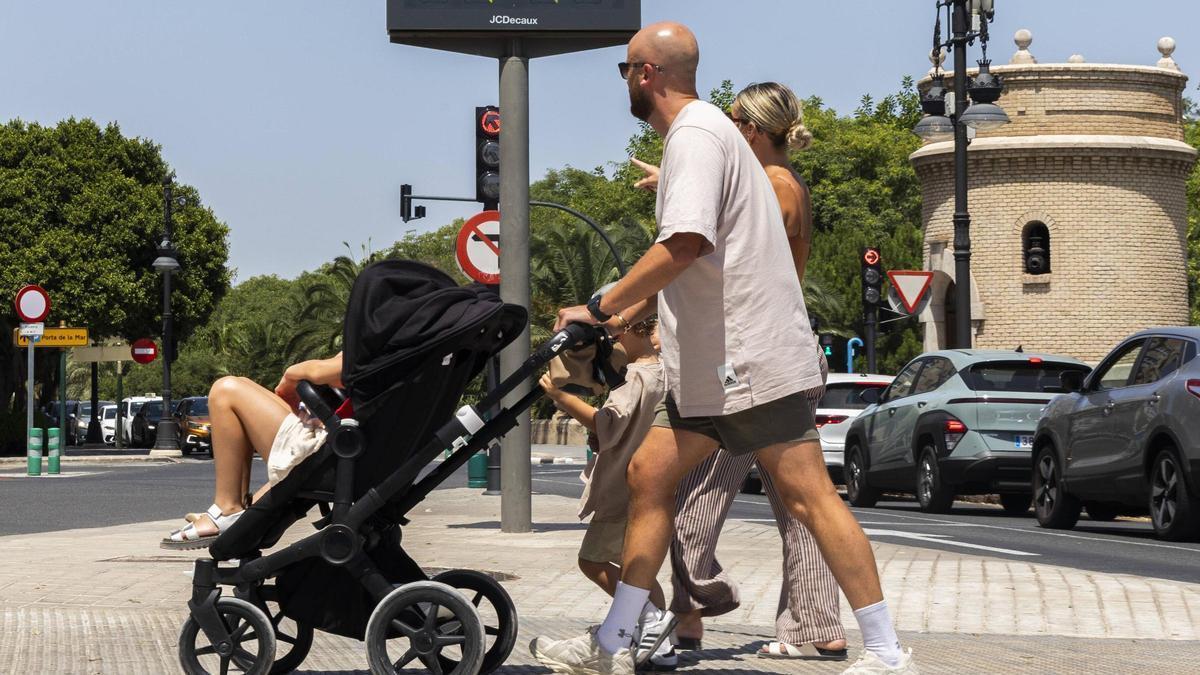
424, 621
293, 639
250, 648
498, 616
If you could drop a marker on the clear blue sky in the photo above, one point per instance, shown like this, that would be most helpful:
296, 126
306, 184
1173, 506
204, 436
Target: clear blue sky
298, 120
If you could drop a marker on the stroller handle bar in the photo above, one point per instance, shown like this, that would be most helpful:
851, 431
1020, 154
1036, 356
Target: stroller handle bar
573, 335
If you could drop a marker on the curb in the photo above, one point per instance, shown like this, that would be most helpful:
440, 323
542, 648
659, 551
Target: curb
549, 459
96, 459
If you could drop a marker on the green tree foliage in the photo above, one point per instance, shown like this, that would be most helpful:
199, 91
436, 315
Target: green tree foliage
81, 214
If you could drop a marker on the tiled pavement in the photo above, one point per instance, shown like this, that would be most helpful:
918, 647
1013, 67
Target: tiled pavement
108, 600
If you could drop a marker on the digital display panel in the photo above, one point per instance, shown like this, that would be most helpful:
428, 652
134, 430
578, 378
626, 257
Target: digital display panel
416, 17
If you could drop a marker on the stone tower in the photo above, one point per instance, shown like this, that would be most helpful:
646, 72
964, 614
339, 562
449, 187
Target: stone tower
1078, 208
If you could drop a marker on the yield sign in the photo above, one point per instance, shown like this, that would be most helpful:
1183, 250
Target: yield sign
478, 248
911, 287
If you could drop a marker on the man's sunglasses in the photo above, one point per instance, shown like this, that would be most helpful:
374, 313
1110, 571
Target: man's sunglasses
626, 67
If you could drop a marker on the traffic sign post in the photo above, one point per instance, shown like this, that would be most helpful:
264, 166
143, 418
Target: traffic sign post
32, 304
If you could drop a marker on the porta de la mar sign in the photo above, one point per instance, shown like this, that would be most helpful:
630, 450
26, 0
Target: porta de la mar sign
487, 27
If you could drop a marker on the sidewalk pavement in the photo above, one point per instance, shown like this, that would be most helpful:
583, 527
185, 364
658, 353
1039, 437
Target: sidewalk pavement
108, 600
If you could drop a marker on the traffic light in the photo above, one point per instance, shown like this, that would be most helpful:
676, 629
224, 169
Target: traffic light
487, 156
827, 344
872, 277
407, 212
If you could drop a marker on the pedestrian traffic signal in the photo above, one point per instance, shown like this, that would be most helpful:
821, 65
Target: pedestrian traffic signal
827, 344
487, 156
872, 277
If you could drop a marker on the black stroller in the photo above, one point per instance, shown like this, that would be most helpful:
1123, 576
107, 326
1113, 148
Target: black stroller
413, 340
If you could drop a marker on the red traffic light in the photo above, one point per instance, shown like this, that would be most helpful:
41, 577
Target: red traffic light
871, 256
489, 122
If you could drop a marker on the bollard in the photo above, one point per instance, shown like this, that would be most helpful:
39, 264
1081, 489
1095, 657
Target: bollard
477, 471
34, 453
53, 450
590, 455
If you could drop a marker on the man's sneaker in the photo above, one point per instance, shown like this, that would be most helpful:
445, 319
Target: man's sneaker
650, 634
870, 664
663, 660
582, 655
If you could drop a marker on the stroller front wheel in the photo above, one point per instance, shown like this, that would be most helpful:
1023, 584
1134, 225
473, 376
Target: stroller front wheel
250, 648
425, 621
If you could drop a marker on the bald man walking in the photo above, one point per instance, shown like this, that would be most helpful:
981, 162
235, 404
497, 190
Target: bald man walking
721, 277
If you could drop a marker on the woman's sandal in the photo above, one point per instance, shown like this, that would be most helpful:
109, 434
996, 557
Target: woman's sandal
188, 537
246, 501
784, 650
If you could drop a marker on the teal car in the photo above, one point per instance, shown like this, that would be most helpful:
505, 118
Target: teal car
954, 422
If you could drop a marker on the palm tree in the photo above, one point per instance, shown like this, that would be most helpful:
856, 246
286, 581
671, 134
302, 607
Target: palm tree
319, 321
567, 265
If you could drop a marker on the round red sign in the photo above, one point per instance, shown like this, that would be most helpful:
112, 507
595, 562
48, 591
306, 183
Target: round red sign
478, 248
32, 303
143, 350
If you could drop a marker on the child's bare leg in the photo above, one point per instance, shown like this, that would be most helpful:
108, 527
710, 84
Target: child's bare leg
606, 576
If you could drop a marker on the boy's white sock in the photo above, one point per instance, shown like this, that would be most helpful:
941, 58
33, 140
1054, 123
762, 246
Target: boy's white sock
879, 636
617, 630
649, 613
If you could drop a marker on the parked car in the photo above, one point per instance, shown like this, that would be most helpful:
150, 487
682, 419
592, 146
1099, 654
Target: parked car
144, 426
130, 407
84, 418
108, 423
1126, 440
954, 422
195, 430
836, 409
72, 409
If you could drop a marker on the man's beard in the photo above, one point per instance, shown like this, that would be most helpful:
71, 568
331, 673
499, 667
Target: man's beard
640, 105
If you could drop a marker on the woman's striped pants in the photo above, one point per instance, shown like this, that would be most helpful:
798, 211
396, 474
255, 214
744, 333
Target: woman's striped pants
808, 599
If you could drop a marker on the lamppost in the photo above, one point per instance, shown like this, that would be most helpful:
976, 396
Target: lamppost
950, 114
166, 440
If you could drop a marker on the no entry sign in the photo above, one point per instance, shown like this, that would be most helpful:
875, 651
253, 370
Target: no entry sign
478, 248
32, 303
143, 350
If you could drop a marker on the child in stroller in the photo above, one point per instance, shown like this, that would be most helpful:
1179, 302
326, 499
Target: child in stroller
413, 340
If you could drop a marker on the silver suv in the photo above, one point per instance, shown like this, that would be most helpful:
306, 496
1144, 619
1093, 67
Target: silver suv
1126, 440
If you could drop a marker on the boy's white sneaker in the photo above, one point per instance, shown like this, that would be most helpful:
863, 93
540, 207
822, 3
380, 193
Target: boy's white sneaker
870, 664
581, 655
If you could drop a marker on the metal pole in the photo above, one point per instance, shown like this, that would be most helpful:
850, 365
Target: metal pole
62, 396
33, 452
516, 504
166, 441
120, 427
93, 428
616, 254
962, 219
871, 321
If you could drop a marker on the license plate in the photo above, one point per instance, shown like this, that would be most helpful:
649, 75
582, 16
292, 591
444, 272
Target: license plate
1023, 441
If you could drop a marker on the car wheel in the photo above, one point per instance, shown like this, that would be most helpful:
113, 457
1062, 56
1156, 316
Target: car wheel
1102, 512
1016, 504
1174, 512
858, 489
932, 494
1054, 506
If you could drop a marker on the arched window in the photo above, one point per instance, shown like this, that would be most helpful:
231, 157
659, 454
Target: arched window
1036, 244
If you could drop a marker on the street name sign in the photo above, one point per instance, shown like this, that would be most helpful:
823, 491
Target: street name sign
31, 330
477, 249
911, 288
102, 354
487, 28
55, 337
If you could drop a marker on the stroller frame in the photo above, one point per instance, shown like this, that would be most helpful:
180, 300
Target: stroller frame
339, 539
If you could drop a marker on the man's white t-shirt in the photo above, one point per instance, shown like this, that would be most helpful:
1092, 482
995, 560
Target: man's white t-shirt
735, 333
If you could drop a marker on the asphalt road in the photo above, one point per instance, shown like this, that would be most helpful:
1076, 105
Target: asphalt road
106, 494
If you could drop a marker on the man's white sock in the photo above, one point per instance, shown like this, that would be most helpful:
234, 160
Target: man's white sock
879, 636
617, 630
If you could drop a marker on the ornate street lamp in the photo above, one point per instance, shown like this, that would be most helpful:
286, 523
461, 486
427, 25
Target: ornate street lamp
166, 440
951, 115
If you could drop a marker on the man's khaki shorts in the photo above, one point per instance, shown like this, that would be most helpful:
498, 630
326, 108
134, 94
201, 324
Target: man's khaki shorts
603, 542
785, 420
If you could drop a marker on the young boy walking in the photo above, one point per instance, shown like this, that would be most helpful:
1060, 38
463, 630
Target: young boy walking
619, 425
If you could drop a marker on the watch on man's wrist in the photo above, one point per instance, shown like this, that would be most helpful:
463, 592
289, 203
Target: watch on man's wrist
593, 307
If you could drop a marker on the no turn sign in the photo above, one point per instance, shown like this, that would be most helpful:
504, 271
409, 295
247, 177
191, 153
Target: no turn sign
478, 248
32, 303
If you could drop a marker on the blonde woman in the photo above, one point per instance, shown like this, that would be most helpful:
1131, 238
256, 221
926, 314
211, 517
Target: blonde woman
808, 626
